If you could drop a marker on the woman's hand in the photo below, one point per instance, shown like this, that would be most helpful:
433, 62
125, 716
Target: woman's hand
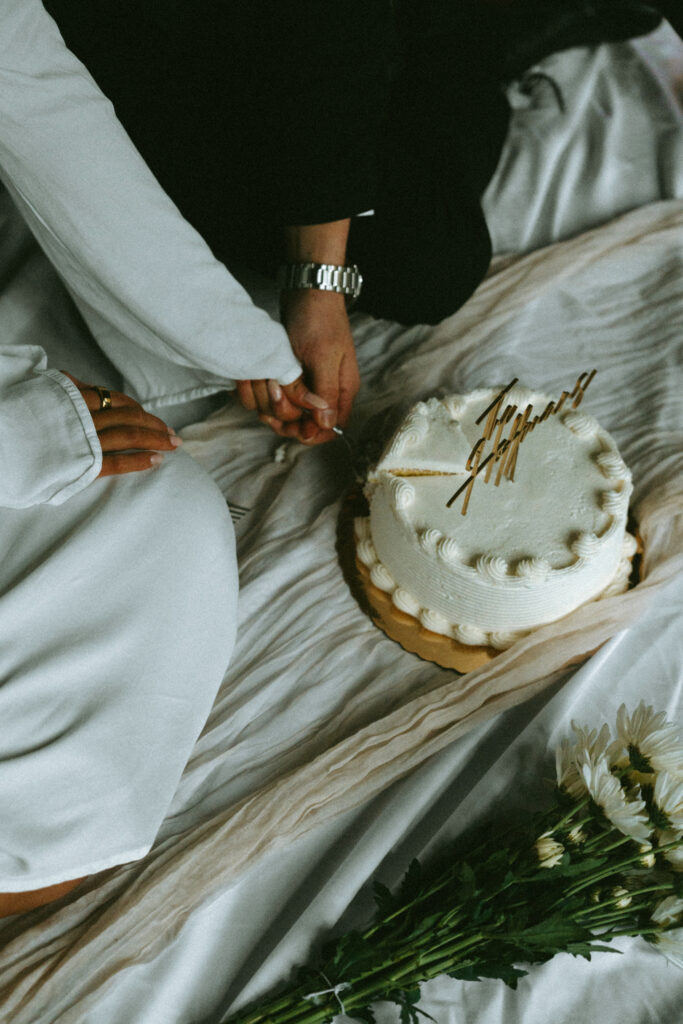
131, 438
287, 402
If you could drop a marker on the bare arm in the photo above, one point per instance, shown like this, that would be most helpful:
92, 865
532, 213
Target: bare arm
318, 328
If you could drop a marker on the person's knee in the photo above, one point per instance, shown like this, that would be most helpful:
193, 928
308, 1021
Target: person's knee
21, 902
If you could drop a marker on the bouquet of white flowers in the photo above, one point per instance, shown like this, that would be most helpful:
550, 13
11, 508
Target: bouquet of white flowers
605, 860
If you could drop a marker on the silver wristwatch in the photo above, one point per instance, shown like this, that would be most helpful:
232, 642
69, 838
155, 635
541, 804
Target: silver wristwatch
324, 276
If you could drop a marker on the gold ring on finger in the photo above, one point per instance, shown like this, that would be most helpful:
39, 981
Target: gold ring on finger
105, 397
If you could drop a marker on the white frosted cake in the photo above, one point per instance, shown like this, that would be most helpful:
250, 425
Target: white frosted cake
549, 536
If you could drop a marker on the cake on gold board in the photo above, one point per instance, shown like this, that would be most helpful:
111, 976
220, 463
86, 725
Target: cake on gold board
490, 514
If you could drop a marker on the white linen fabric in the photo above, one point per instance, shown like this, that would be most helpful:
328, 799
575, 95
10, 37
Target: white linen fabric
115, 634
605, 138
192, 930
166, 312
320, 712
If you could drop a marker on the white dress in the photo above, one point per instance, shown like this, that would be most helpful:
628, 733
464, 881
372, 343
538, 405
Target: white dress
117, 595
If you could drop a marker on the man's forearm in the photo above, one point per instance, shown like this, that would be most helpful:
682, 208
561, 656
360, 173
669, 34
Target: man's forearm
317, 243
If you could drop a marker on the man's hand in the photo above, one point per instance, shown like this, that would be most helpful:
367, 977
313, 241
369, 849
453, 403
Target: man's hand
318, 329
319, 332
131, 438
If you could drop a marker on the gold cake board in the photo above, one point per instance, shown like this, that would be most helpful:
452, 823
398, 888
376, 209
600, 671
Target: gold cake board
407, 631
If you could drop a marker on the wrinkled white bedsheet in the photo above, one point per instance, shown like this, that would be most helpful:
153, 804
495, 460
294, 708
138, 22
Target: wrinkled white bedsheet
310, 671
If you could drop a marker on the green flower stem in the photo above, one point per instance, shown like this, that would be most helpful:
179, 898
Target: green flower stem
569, 815
633, 893
612, 869
404, 961
376, 982
612, 917
417, 969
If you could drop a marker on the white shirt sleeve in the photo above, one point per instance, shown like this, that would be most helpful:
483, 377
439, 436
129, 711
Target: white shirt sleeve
49, 447
166, 312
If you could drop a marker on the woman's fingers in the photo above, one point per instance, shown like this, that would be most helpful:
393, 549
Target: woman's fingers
131, 439
261, 396
245, 393
129, 462
283, 402
93, 398
282, 408
304, 430
298, 394
129, 416
123, 438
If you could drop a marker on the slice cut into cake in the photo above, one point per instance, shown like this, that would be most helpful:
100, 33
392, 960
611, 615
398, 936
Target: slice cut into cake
528, 550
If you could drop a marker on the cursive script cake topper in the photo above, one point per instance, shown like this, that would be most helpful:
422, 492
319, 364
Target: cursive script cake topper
505, 449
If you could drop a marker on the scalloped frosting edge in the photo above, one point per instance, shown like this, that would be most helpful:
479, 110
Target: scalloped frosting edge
465, 633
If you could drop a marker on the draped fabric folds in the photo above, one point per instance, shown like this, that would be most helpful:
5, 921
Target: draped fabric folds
292, 741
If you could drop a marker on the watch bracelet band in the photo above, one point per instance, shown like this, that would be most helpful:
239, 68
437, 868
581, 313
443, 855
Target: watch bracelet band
326, 277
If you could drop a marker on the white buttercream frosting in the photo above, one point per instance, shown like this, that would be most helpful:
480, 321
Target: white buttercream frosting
528, 551
365, 550
361, 528
612, 464
447, 549
434, 622
581, 423
585, 545
404, 493
429, 539
382, 578
427, 441
471, 635
405, 601
492, 567
533, 569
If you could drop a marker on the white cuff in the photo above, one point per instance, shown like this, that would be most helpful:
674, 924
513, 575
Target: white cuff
49, 447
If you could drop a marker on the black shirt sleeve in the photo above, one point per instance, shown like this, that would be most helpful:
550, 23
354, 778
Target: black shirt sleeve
248, 111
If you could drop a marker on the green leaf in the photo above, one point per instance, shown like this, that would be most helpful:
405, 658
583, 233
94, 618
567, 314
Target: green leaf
423, 1013
411, 886
469, 881
553, 934
348, 956
585, 950
428, 925
498, 864
504, 972
386, 904
568, 867
408, 1014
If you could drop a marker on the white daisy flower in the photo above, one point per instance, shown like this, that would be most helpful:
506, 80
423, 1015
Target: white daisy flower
670, 943
653, 744
675, 854
668, 911
568, 775
570, 757
629, 816
668, 796
577, 835
548, 850
593, 745
622, 897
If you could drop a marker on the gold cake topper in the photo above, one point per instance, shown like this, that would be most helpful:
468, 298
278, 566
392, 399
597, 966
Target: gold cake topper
505, 449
